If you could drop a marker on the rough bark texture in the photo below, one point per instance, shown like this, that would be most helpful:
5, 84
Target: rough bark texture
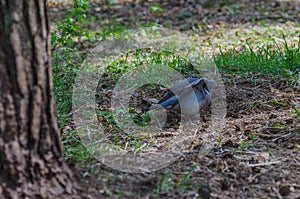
31, 162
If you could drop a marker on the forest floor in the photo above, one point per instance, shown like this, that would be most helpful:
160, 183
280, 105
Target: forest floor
258, 154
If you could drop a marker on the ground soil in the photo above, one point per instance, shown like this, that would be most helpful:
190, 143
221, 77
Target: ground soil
237, 167
267, 169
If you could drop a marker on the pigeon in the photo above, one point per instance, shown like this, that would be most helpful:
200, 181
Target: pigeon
188, 96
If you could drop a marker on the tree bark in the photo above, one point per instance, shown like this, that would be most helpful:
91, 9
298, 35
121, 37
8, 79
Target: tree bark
31, 157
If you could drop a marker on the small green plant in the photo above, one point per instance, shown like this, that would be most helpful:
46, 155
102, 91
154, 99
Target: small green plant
188, 175
164, 184
278, 125
66, 56
219, 140
71, 25
133, 140
253, 138
108, 117
245, 144
156, 9
74, 148
136, 143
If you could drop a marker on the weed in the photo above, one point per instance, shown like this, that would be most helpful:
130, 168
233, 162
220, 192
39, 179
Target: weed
245, 144
188, 175
164, 184
156, 9
219, 140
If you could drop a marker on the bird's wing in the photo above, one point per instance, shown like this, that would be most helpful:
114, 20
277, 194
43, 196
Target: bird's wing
197, 83
169, 103
199, 88
181, 87
166, 97
179, 90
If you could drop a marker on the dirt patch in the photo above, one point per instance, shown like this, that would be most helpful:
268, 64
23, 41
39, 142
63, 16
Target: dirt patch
241, 166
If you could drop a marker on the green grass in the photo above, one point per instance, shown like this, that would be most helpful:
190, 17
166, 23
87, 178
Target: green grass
274, 59
168, 182
66, 57
267, 60
74, 148
132, 61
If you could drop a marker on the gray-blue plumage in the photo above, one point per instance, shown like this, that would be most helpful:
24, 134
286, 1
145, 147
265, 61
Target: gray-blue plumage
188, 95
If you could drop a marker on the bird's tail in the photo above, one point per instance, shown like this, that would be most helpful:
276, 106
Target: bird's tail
153, 107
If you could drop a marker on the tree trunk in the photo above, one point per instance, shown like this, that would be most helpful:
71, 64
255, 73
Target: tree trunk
31, 157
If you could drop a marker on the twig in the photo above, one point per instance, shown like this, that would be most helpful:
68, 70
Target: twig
263, 164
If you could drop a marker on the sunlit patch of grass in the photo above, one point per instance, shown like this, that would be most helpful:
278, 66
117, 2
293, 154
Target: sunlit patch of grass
265, 61
146, 57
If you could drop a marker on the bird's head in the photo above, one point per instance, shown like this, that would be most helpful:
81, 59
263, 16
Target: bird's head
210, 84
